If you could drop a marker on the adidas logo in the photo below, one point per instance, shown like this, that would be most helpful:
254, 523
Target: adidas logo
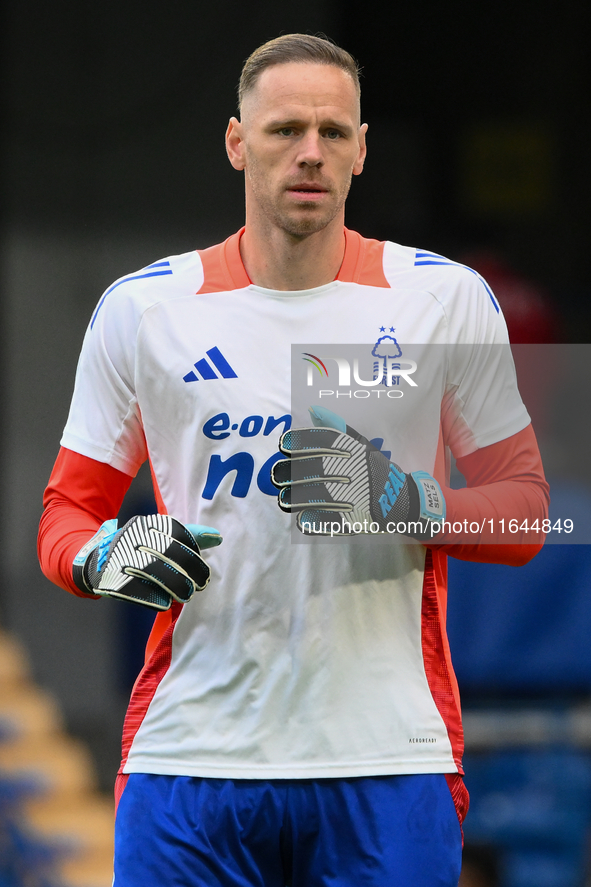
205, 371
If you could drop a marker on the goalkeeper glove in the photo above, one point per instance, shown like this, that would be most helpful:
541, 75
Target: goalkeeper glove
335, 472
152, 560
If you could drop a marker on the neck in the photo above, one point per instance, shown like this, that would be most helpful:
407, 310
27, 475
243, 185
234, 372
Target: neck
278, 260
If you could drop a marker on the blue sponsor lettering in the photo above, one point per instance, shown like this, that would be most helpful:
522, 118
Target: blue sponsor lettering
216, 428
251, 426
241, 463
220, 426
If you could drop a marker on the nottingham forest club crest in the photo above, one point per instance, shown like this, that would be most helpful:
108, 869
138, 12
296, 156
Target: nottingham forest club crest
385, 350
385, 370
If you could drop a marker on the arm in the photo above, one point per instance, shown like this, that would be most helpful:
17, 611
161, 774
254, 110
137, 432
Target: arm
505, 480
81, 494
152, 560
334, 476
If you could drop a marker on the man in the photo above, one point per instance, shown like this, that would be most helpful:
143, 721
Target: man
298, 722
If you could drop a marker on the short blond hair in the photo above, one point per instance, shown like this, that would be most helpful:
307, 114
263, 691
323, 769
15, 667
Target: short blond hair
295, 48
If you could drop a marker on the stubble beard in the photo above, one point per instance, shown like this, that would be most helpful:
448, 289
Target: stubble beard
301, 221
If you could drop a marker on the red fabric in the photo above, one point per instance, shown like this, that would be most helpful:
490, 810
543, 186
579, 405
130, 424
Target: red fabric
224, 270
81, 495
363, 261
505, 481
147, 684
460, 796
436, 654
120, 783
159, 628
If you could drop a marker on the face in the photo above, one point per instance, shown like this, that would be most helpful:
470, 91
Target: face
299, 142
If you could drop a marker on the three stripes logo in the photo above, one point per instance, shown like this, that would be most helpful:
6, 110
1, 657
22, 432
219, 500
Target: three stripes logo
204, 370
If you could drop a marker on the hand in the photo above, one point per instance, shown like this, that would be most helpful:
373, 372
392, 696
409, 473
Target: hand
335, 473
152, 560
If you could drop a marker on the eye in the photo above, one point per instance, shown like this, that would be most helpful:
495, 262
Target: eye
333, 135
285, 131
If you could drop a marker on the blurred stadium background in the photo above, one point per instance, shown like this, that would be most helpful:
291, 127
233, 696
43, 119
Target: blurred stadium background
113, 157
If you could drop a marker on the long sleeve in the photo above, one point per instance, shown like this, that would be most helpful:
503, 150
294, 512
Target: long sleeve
504, 481
81, 494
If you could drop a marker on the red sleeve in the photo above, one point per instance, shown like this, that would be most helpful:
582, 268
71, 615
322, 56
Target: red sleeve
504, 481
82, 493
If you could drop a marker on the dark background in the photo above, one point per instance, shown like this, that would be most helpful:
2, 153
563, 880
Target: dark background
478, 118
113, 157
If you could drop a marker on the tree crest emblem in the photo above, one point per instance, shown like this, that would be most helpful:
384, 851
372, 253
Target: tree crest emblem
386, 349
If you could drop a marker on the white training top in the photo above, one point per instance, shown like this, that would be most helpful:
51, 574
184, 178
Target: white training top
298, 660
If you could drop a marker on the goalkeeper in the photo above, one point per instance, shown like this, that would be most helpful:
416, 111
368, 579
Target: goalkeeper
297, 720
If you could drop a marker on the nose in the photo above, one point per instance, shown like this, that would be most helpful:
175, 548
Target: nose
310, 153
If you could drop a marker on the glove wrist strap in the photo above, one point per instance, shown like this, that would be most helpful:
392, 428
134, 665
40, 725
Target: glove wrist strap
100, 540
431, 501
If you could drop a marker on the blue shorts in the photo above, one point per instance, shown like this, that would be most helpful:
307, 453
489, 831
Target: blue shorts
378, 831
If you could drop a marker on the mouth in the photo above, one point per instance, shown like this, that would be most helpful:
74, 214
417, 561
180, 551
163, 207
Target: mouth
307, 192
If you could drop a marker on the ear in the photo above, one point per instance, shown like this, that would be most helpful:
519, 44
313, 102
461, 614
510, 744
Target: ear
358, 166
235, 143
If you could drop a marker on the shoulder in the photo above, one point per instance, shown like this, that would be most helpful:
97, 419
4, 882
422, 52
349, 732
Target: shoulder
390, 264
447, 280
167, 278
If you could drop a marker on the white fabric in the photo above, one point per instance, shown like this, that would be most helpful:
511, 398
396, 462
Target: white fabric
298, 660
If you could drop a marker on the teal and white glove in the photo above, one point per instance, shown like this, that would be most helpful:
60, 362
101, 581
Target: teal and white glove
152, 560
341, 484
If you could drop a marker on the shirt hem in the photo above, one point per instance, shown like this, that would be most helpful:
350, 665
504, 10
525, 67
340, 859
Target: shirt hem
290, 771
